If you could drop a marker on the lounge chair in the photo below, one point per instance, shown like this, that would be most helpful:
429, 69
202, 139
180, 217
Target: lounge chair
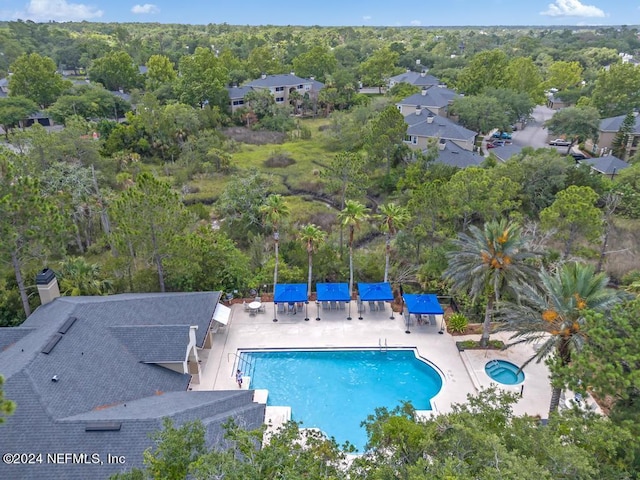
326, 306
361, 307
381, 306
334, 305
262, 308
281, 308
245, 306
372, 306
341, 305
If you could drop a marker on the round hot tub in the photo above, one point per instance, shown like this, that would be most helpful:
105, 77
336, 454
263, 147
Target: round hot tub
504, 372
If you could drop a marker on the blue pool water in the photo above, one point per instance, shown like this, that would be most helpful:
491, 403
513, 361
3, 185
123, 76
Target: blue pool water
504, 372
336, 390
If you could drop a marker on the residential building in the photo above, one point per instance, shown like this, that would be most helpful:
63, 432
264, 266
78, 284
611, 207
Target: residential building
280, 86
93, 377
419, 79
609, 128
423, 125
436, 99
606, 165
451, 154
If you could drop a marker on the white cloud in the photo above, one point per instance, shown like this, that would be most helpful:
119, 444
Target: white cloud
415, 23
572, 8
146, 8
366, 18
58, 10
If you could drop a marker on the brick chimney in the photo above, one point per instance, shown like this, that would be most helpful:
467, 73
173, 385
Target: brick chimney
47, 284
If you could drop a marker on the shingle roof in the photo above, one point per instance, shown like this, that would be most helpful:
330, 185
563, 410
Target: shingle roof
455, 156
613, 124
432, 97
506, 151
608, 165
8, 336
282, 80
415, 78
238, 92
100, 376
154, 343
441, 127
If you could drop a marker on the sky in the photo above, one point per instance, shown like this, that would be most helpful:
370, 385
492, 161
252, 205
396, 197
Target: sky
332, 12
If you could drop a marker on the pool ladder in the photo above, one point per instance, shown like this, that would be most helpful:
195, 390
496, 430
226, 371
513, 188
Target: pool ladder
383, 348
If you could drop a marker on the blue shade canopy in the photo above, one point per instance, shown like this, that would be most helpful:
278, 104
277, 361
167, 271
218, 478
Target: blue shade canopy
423, 304
290, 292
333, 292
375, 292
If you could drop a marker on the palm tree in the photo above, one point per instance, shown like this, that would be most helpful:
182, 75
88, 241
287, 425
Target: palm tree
275, 210
488, 261
393, 218
352, 215
78, 277
552, 313
312, 236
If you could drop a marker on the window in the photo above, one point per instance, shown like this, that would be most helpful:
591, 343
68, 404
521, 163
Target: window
238, 102
279, 89
300, 87
307, 87
279, 99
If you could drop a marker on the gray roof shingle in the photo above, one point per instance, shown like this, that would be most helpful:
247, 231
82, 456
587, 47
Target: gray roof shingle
415, 78
613, 124
608, 165
431, 97
281, 80
454, 156
440, 127
100, 376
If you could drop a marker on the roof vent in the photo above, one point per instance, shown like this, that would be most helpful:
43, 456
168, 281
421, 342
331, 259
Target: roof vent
424, 91
67, 325
430, 118
442, 144
103, 427
54, 378
418, 109
53, 341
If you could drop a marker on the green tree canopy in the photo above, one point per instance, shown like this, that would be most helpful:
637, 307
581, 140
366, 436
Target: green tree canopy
489, 262
562, 75
35, 77
617, 90
13, 110
376, 69
552, 311
318, 62
573, 213
159, 71
147, 218
30, 223
115, 71
202, 79
480, 113
576, 123
484, 70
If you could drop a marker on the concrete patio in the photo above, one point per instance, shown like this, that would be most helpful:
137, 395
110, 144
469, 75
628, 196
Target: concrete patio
462, 372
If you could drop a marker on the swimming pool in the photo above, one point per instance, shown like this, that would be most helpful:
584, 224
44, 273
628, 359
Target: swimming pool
335, 390
504, 372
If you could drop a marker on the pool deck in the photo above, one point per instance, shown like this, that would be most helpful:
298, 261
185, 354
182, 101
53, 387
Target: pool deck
462, 372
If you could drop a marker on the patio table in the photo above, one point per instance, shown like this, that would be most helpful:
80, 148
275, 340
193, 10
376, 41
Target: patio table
254, 307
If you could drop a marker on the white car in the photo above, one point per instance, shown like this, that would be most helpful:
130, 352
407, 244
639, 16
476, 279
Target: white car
560, 142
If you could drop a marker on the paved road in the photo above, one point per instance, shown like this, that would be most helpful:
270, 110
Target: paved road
534, 134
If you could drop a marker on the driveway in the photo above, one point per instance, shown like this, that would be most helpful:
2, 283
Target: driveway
534, 134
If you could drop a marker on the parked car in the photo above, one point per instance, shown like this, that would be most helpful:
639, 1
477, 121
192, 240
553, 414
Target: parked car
578, 156
560, 142
495, 143
503, 135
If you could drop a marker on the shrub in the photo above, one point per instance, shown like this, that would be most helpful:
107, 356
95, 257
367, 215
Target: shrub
458, 323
